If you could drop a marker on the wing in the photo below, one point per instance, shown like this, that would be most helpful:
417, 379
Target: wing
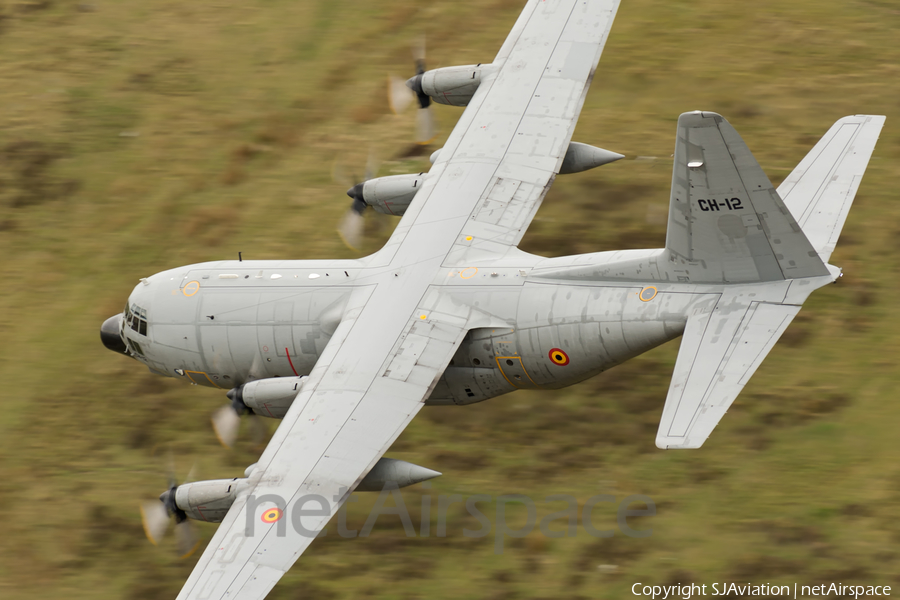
400, 332
379, 367
502, 156
723, 345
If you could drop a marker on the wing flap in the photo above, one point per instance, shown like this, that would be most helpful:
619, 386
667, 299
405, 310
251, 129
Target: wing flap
723, 345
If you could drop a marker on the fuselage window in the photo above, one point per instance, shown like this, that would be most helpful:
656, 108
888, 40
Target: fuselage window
137, 348
136, 318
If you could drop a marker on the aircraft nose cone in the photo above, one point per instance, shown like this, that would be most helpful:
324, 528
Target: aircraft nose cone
109, 334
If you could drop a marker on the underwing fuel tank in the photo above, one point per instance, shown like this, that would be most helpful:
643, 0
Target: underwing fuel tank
392, 471
579, 157
210, 500
582, 157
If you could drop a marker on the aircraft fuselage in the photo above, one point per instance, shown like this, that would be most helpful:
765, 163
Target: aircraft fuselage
222, 324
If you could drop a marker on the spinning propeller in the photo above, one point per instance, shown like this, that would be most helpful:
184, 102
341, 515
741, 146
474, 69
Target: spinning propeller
401, 94
351, 226
226, 421
156, 515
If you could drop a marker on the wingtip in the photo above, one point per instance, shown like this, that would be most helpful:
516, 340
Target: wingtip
664, 443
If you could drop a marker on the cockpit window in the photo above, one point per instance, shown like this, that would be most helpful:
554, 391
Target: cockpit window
136, 318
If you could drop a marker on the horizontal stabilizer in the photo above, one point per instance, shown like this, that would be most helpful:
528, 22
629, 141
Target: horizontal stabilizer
727, 223
722, 347
821, 188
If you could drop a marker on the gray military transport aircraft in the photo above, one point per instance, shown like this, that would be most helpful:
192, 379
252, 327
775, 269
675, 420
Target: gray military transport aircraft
450, 311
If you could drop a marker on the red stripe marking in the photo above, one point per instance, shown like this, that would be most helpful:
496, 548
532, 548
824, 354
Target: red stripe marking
290, 362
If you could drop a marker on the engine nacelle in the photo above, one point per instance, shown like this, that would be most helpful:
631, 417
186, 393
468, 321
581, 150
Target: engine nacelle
270, 397
452, 85
208, 500
391, 195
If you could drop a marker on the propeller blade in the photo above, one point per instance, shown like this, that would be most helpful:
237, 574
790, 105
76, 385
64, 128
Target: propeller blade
258, 430
171, 480
339, 175
186, 539
426, 128
418, 53
399, 96
192, 474
415, 82
155, 520
351, 229
226, 422
372, 164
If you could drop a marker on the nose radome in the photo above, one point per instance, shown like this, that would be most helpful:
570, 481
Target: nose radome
109, 334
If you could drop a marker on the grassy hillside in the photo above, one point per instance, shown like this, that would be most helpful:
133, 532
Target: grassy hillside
138, 136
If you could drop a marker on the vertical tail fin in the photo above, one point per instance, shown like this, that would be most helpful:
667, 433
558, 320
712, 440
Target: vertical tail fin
821, 188
728, 335
726, 221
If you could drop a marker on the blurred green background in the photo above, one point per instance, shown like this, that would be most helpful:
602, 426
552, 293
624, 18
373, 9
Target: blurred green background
139, 136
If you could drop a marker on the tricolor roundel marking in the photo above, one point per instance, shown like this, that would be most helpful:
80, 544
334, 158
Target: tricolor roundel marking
272, 515
558, 357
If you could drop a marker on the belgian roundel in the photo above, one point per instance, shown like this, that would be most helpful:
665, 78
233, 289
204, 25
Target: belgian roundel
272, 515
558, 357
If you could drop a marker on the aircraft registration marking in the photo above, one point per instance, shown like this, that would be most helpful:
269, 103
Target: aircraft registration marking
726, 204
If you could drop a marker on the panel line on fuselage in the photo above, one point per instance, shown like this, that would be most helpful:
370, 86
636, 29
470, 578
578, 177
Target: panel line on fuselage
190, 373
518, 358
